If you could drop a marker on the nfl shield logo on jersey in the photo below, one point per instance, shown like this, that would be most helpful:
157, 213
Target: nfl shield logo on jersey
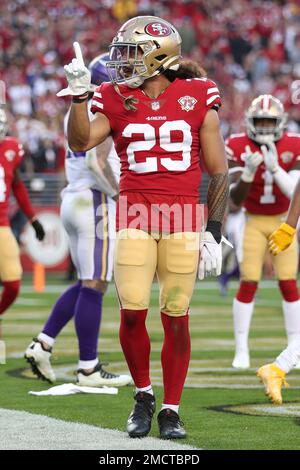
155, 105
187, 103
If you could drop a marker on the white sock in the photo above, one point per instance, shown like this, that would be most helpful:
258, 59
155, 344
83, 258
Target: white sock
242, 314
147, 389
88, 364
172, 407
46, 339
289, 357
291, 311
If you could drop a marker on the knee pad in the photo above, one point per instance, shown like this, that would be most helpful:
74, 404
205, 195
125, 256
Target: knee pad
175, 303
289, 290
246, 291
131, 296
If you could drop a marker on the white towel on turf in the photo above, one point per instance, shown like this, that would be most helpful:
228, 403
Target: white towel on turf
70, 389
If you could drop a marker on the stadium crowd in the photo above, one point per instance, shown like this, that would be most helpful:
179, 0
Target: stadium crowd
248, 47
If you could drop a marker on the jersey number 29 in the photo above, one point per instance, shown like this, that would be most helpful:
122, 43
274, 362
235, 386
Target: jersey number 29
164, 141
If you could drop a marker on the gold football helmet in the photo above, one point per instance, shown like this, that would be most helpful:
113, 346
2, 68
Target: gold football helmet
265, 107
144, 46
3, 124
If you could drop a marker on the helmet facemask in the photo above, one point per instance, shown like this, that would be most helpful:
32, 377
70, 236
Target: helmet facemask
263, 135
126, 64
273, 111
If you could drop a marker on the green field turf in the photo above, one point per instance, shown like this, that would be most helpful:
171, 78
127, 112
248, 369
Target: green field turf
221, 408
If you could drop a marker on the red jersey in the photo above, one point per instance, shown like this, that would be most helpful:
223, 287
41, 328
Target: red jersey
11, 152
158, 144
264, 196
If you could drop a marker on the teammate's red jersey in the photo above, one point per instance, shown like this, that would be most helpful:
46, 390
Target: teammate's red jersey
264, 196
11, 152
158, 144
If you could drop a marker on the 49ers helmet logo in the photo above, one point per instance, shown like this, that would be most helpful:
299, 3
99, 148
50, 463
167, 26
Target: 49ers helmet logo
158, 29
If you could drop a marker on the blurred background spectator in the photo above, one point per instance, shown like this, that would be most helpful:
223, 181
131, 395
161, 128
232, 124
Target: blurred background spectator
247, 46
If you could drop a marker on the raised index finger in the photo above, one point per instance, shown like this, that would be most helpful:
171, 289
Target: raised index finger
78, 54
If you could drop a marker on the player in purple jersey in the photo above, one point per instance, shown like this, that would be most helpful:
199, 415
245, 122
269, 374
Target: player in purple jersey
88, 215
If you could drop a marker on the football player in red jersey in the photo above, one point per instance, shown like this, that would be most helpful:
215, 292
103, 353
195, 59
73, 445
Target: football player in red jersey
159, 123
269, 159
273, 375
11, 153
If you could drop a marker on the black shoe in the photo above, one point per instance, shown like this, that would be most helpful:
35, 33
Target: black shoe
170, 426
139, 421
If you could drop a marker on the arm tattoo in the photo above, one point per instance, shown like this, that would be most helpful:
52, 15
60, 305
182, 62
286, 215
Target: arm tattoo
217, 196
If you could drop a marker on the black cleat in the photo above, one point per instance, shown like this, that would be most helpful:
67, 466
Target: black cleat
170, 426
139, 421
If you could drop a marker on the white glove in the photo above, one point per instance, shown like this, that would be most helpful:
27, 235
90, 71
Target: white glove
78, 76
210, 263
270, 156
252, 161
286, 181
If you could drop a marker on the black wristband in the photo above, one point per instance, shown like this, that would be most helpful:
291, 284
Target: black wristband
214, 228
80, 98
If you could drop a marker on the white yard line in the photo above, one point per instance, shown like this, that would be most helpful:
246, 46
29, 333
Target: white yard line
22, 430
30, 302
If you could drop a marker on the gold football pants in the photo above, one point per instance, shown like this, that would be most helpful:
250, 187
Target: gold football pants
174, 258
255, 245
10, 266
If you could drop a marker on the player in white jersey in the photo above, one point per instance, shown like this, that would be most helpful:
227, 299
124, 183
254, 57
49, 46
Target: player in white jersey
88, 212
89, 196
234, 228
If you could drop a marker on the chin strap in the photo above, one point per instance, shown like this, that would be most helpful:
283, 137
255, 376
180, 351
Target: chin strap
129, 101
